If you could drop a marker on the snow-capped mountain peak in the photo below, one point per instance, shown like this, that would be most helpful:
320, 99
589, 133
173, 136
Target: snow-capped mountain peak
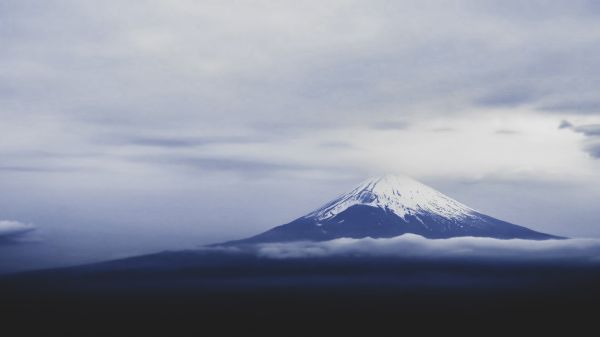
398, 194
389, 206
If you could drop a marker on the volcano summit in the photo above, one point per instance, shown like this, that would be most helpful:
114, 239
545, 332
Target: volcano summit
389, 206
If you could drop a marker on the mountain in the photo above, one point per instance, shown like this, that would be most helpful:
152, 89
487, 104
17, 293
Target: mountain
389, 206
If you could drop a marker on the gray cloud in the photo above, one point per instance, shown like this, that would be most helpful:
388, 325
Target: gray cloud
391, 125
506, 132
411, 246
594, 149
510, 97
17, 168
166, 142
41, 162
583, 107
590, 130
592, 134
446, 129
239, 165
565, 124
336, 145
373, 64
14, 231
175, 141
40, 168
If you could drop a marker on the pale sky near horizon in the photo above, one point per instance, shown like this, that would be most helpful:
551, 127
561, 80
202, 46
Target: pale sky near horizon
128, 127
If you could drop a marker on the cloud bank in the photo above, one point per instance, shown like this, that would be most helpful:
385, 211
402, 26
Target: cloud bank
14, 231
414, 246
258, 87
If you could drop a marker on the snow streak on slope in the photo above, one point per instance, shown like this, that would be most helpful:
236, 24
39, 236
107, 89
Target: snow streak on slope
400, 195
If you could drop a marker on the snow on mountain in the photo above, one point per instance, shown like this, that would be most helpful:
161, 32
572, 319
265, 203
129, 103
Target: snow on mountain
401, 195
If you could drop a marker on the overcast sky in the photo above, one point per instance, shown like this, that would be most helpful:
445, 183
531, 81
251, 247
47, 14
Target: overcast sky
134, 126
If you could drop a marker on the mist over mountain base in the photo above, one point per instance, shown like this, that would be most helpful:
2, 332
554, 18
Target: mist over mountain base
197, 292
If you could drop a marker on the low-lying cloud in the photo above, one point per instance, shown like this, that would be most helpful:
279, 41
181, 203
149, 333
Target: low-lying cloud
414, 246
14, 231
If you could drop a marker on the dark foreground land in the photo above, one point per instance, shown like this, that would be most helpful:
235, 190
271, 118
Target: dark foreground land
191, 293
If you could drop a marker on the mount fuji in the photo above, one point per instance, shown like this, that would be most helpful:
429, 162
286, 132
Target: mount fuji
242, 283
389, 206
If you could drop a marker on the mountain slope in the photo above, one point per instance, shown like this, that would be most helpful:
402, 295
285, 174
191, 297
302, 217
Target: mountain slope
390, 206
